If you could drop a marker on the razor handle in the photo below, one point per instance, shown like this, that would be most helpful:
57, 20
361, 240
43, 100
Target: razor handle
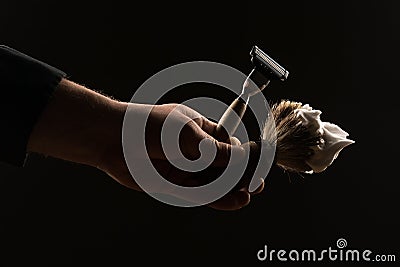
265, 69
233, 115
230, 120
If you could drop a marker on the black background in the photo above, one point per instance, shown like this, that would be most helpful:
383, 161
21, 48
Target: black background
342, 57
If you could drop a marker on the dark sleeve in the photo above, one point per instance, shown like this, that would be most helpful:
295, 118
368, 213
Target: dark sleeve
26, 85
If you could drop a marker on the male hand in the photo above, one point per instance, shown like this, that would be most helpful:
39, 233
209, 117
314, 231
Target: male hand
196, 129
83, 126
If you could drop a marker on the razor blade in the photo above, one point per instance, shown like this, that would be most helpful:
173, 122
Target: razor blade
266, 65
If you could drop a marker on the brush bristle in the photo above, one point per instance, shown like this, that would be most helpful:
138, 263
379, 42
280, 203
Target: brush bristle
293, 140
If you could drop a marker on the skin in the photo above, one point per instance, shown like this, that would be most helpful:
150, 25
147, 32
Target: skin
83, 126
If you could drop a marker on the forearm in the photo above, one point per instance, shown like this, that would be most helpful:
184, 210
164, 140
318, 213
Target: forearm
78, 125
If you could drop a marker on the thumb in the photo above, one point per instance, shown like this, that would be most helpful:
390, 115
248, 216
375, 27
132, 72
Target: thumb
227, 154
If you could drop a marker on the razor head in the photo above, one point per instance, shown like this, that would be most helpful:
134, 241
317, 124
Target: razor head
266, 65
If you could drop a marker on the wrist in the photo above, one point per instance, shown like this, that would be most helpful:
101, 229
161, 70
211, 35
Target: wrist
106, 148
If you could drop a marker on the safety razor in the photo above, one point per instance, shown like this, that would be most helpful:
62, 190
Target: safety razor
265, 69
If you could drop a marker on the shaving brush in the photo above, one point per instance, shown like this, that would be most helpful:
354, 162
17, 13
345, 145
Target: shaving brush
293, 140
303, 143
